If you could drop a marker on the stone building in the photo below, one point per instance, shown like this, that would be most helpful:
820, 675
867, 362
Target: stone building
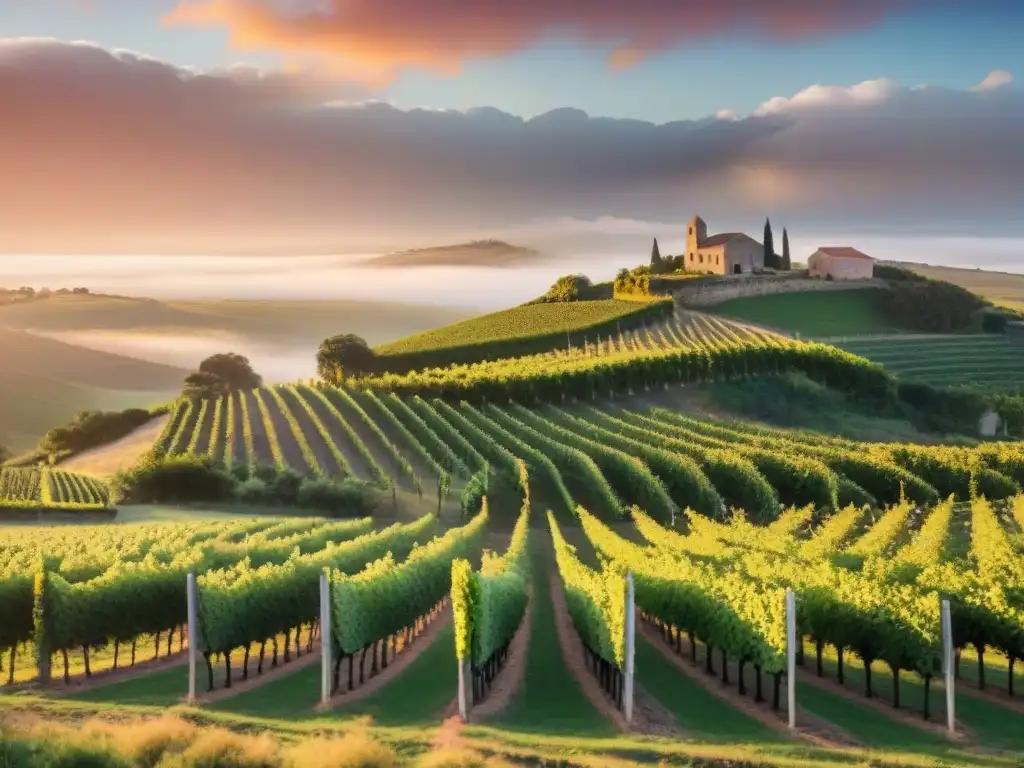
728, 253
841, 263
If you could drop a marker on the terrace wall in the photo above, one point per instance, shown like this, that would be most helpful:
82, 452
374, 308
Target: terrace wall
715, 290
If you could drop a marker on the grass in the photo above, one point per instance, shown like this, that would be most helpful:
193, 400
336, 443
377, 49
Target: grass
813, 313
550, 700
527, 329
984, 360
1003, 289
698, 712
995, 727
793, 400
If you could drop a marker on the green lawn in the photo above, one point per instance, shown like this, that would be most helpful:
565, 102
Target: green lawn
813, 313
697, 711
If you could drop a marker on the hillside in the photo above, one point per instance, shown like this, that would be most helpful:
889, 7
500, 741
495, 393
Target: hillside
813, 314
524, 330
254, 321
47, 381
1005, 289
480, 253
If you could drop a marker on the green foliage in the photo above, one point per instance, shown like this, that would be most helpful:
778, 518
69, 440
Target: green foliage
786, 264
203, 385
43, 489
636, 282
169, 479
770, 259
488, 605
388, 596
596, 600
568, 288
580, 375
930, 306
525, 330
475, 491
235, 370
89, 429
342, 356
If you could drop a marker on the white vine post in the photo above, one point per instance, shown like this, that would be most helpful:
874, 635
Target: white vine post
325, 638
193, 633
948, 670
791, 641
630, 649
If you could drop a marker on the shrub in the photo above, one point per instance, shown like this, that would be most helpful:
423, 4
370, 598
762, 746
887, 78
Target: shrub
930, 306
252, 491
89, 429
182, 478
349, 497
568, 288
993, 322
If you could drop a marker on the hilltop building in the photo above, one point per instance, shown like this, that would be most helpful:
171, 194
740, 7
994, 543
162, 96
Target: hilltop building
841, 263
728, 253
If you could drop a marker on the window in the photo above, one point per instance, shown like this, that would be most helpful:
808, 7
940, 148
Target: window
701, 257
716, 258
691, 230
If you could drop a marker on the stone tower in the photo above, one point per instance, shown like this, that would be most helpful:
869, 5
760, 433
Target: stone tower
696, 233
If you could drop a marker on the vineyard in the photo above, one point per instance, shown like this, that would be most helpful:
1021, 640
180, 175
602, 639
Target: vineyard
525, 330
607, 459
50, 489
991, 361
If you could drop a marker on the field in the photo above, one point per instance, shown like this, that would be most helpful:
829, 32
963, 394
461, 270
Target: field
31, 490
993, 362
77, 352
114, 594
526, 494
524, 330
1003, 289
53, 380
813, 314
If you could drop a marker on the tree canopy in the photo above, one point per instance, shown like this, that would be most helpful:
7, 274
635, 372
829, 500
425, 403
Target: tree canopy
568, 288
344, 355
234, 369
200, 385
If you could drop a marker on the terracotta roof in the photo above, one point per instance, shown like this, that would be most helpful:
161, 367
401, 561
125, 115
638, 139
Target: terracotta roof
844, 252
720, 239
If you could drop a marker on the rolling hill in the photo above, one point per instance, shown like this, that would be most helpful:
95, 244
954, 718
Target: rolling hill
1004, 289
44, 382
481, 253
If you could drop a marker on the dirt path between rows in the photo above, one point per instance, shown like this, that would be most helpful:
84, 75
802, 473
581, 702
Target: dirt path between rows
648, 715
511, 675
405, 657
809, 727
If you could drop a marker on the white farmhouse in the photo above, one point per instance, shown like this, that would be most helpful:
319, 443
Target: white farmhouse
841, 263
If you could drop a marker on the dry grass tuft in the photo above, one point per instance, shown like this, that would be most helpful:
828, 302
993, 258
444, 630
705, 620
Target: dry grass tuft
460, 757
353, 750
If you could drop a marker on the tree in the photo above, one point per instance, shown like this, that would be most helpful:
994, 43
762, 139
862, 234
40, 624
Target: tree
657, 263
769, 245
786, 263
568, 288
344, 355
201, 385
234, 369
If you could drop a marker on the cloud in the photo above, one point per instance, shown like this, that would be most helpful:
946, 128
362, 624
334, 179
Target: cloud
110, 151
997, 78
373, 38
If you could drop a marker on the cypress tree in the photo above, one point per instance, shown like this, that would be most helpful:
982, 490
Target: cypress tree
769, 246
786, 263
657, 263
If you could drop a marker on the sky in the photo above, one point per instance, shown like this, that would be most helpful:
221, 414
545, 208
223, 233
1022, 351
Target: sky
221, 125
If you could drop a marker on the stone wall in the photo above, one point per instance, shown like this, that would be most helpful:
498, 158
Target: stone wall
704, 292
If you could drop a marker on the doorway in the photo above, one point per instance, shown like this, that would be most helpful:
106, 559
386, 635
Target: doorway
736, 269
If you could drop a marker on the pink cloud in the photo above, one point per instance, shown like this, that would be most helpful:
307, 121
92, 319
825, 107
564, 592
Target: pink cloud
373, 38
